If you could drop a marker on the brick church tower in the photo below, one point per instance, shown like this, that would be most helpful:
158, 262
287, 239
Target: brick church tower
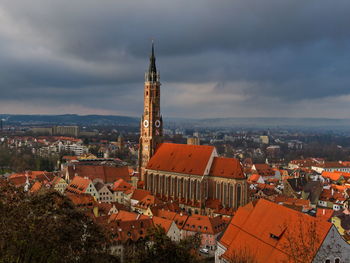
151, 130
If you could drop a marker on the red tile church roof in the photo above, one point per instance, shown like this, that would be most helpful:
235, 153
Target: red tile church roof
181, 158
227, 167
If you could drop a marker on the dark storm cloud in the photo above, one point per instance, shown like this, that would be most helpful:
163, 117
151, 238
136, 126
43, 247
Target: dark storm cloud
217, 58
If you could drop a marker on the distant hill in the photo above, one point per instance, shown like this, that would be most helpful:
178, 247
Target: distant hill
101, 120
70, 119
322, 123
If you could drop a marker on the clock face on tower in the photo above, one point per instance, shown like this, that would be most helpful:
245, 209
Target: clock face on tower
157, 123
145, 123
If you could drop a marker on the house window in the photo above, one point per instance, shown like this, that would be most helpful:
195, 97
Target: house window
328, 261
337, 260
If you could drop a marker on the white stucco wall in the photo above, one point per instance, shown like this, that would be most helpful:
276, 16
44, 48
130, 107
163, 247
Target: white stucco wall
174, 232
218, 252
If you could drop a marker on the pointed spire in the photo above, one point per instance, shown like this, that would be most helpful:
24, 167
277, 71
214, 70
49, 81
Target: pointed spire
152, 62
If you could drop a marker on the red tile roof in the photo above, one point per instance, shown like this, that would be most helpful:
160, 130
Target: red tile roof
169, 206
126, 216
36, 187
139, 194
65, 138
18, 179
324, 213
213, 204
266, 186
148, 201
133, 230
181, 158
331, 165
334, 176
264, 169
78, 185
81, 200
104, 208
170, 215
204, 224
164, 223
292, 201
180, 219
332, 195
267, 230
227, 167
307, 162
56, 180
121, 186
109, 174
253, 178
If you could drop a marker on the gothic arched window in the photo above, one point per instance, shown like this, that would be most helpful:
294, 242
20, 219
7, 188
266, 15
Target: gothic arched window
231, 196
239, 192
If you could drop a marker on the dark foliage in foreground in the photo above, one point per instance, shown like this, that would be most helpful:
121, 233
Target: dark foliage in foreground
46, 228
159, 248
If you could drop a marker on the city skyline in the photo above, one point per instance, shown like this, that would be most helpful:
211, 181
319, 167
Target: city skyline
228, 59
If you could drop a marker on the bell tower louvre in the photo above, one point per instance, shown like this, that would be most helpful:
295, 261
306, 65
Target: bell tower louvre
151, 127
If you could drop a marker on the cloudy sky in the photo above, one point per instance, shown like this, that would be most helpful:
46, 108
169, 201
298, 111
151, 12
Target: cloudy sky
225, 58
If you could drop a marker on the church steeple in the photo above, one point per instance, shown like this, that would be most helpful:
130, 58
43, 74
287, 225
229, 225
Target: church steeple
151, 130
152, 64
152, 74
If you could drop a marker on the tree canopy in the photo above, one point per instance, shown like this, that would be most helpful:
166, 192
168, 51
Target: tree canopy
159, 248
46, 227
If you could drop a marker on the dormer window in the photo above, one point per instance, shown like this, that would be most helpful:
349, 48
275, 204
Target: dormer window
274, 237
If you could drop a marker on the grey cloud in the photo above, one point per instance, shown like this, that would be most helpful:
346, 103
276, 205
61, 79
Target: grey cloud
94, 53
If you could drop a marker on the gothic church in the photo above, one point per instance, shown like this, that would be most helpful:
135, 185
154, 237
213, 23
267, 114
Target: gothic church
192, 175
